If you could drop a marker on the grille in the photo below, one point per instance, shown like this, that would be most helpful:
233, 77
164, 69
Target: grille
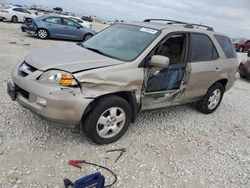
25, 69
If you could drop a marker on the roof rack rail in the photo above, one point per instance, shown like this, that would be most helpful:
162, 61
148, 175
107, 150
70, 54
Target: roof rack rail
187, 25
166, 20
199, 25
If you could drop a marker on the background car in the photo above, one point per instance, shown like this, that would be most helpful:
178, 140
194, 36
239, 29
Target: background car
87, 18
56, 27
244, 69
15, 14
242, 45
80, 21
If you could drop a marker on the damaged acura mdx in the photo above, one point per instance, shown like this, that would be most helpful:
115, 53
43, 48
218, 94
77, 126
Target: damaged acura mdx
105, 81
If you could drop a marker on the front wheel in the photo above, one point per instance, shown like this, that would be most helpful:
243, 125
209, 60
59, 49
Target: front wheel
87, 36
211, 101
43, 33
109, 120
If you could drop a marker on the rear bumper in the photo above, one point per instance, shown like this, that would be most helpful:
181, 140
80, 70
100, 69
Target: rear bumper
28, 30
64, 105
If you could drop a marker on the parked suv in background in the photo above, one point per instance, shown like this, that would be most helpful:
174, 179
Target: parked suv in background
106, 81
242, 45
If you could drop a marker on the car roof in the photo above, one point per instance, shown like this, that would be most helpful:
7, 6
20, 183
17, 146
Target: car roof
165, 26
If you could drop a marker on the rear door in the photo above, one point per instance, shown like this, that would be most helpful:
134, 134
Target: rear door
55, 26
26, 14
205, 66
72, 30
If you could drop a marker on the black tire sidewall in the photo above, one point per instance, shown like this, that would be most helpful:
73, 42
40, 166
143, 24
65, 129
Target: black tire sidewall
101, 106
203, 103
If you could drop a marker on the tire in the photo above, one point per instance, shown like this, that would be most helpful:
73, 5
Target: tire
14, 19
42, 34
112, 129
241, 49
207, 105
87, 36
240, 70
248, 54
242, 76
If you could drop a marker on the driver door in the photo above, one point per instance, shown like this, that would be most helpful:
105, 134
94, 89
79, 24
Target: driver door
166, 86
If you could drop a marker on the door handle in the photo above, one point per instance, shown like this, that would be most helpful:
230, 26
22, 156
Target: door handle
217, 69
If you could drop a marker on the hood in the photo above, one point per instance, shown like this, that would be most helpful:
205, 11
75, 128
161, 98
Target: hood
70, 58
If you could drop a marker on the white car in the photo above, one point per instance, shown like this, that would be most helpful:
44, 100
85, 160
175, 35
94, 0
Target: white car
81, 22
15, 14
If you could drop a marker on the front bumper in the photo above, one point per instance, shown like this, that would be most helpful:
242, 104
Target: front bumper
64, 105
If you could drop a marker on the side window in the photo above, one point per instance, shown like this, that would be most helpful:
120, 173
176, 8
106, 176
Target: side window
25, 11
53, 20
17, 9
202, 48
227, 46
70, 23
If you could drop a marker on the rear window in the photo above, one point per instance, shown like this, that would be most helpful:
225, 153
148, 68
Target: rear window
226, 45
202, 48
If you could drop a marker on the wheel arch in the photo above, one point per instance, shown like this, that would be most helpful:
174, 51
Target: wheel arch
223, 82
129, 96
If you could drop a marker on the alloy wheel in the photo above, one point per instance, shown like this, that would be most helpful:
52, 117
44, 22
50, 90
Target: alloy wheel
214, 99
111, 122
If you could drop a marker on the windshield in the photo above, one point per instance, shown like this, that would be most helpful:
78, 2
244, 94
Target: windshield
123, 42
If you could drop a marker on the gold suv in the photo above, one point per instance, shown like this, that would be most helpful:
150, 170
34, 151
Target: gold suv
104, 82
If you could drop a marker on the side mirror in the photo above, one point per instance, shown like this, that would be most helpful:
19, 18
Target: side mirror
159, 61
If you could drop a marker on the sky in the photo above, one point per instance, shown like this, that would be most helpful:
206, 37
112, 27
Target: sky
231, 17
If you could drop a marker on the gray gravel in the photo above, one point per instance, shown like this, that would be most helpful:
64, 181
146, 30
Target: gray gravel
173, 147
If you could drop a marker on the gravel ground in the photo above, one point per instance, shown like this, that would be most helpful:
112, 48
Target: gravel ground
173, 147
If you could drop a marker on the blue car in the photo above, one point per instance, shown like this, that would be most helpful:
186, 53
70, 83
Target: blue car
58, 27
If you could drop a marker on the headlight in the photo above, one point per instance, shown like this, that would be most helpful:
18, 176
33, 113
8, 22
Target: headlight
58, 77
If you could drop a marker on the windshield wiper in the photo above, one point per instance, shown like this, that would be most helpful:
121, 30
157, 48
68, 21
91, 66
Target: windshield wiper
97, 51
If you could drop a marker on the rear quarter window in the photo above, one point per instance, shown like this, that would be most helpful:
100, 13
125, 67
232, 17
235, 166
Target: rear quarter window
202, 48
226, 45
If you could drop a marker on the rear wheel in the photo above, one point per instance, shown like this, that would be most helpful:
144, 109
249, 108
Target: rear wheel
87, 36
109, 120
43, 33
211, 101
14, 19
